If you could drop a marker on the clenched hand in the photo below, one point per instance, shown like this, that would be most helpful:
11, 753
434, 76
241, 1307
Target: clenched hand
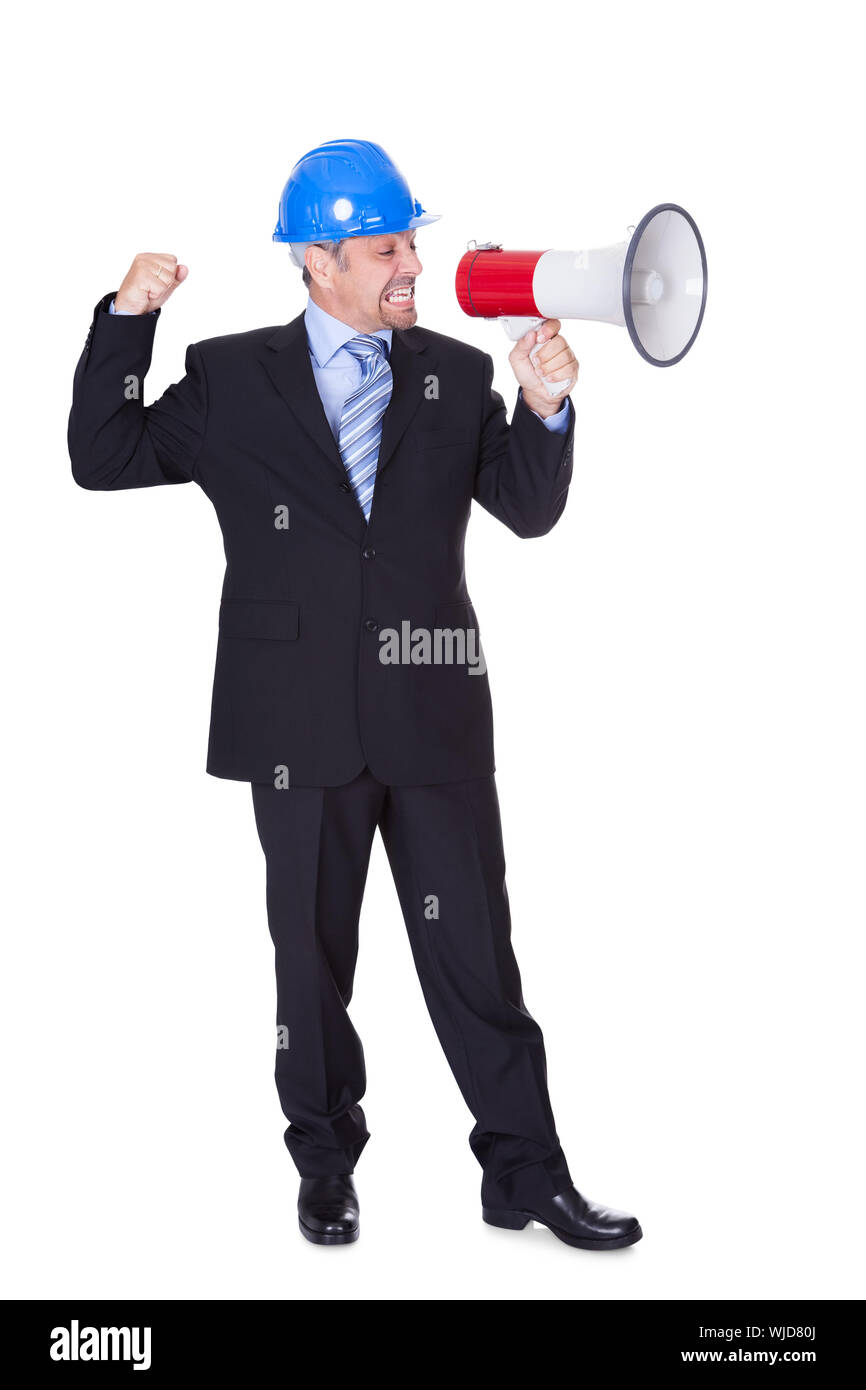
554, 361
152, 277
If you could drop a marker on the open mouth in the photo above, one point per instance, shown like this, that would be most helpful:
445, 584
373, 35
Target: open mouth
405, 294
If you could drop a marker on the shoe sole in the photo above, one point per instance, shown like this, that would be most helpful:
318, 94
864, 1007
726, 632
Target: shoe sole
329, 1238
516, 1220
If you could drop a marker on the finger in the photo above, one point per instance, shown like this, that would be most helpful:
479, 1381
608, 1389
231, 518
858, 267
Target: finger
163, 260
157, 287
522, 346
563, 374
162, 279
557, 390
550, 352
565, 366
556, 359
163, 268
163, 274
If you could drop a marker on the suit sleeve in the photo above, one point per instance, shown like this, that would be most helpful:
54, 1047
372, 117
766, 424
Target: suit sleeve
115, 441
524, 469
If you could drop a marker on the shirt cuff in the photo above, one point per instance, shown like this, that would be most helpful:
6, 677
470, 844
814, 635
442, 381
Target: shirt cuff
125, 313
558, 423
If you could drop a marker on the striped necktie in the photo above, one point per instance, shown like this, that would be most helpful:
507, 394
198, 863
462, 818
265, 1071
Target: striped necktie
361, 421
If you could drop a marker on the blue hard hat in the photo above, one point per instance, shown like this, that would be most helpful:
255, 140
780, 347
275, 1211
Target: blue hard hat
347, 188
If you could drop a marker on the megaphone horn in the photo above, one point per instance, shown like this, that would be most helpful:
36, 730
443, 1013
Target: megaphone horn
654, 284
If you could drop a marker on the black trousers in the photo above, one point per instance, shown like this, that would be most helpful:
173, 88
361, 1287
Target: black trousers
444, 845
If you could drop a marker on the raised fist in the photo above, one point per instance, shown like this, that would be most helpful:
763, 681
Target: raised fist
151, 278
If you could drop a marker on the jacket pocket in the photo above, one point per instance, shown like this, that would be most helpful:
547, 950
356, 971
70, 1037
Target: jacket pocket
272, 619
450, 435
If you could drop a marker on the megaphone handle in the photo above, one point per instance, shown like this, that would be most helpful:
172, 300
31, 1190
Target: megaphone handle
515, 328
557, 388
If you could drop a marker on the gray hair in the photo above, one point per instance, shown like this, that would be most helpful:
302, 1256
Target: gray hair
334, 248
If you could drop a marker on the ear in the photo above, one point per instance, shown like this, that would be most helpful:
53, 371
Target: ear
318, 263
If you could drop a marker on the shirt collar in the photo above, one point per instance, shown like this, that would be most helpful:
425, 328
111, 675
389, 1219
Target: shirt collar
326, 334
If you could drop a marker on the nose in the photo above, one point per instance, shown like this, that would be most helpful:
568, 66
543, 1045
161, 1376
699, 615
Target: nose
410, 263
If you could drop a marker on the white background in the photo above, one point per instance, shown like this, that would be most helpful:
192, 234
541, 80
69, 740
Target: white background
677, 670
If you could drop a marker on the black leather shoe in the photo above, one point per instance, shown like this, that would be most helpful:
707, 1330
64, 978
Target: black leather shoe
328, 1209
573, 1219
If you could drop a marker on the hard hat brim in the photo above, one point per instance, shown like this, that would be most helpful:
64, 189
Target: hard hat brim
401, 225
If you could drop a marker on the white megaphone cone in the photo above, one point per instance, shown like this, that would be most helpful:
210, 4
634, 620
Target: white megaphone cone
654, 284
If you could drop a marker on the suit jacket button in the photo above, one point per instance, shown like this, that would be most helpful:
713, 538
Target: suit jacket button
371, 625
369, 553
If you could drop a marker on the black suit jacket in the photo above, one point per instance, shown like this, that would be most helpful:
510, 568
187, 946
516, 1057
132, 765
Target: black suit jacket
299, 683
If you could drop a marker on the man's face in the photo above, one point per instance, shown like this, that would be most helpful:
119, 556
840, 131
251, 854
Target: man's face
379, 267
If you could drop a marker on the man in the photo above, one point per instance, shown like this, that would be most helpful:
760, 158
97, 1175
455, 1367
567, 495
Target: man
342, 452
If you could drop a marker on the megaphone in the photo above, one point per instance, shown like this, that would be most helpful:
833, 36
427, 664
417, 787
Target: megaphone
654, 284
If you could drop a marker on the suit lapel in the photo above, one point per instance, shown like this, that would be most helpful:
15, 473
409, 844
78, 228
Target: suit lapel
412, 359
286, 358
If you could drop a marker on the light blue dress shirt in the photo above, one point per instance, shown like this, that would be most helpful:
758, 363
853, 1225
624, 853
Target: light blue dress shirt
338, 373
